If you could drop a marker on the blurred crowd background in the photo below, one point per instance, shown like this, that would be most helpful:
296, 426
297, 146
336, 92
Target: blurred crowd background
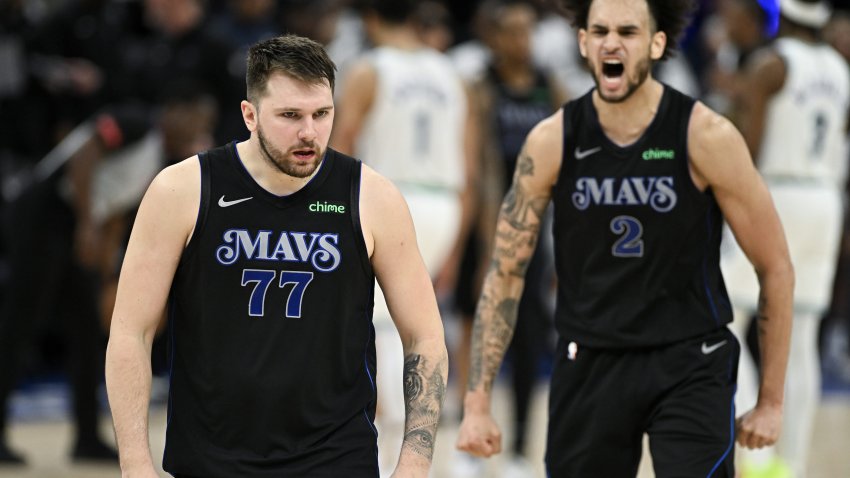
96, 96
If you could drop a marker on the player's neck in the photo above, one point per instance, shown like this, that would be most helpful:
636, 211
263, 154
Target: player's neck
624, 122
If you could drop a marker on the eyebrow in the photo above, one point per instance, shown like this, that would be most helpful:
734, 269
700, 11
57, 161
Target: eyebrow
298, 110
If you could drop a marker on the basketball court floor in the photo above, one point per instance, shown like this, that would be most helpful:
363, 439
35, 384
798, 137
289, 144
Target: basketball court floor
45, 438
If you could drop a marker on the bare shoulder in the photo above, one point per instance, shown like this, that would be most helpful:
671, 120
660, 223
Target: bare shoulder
178, 180
707, 129
544, 146
174, 194
379, 197
547, 135
382, 206
716, 148
377, 190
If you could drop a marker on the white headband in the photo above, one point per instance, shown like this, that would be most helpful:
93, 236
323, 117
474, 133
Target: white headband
813, 15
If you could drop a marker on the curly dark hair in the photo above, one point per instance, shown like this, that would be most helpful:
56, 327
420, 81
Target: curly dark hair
671, 17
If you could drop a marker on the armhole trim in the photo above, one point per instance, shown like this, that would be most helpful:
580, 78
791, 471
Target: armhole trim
204, 206
566, 123
356, 178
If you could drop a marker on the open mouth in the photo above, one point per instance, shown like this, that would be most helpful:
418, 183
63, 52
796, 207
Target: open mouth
304, 153
612, 69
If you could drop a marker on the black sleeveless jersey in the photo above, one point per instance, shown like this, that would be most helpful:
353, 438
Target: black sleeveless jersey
272, 348
636, 243
515, 114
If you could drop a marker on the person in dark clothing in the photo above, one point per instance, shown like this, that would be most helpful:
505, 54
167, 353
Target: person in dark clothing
264, 253
48, 234
181, 46
510, 98
641, 177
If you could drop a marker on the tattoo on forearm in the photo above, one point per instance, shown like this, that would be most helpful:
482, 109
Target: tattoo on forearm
424, 390
516, 236
518, 202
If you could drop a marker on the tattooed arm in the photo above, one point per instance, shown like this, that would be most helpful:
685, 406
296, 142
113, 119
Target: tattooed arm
424, 389
495, 318
391, 242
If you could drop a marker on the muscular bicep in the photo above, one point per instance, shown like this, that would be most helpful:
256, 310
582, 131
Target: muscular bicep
525, 203
721, 161
396, 260
162, 227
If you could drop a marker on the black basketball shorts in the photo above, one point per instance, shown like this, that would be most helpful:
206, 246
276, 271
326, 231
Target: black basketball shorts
681, 395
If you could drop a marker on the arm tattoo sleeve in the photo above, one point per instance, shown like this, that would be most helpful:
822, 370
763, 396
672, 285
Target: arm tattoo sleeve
424, 390
516, 236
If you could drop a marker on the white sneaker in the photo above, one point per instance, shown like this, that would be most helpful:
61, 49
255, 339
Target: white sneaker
518, 467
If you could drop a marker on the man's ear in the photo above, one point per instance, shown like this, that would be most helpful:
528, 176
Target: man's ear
249, 115
657, 46
582, 36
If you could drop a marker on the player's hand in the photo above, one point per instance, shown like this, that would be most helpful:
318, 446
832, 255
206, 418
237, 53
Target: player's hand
479, 434
760, 426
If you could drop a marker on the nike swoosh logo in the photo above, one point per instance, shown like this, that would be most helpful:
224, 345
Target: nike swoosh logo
707, 349
224, 203
583, 154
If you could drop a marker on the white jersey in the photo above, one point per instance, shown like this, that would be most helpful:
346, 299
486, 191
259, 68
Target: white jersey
816, 89
414, 131
802, 159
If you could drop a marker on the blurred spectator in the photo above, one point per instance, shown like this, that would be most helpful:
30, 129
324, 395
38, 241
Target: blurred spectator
403, 110
556, 50
471, 56
738, 29
835, 334
511, 96
180, 48
73, 67
183, 125
51, 249
348, 43
314, 19
23, 112
433, 24
243, 23
794, 100
66, 232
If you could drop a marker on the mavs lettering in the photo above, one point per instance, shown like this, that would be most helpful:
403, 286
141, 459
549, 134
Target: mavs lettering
656, 192
319, 249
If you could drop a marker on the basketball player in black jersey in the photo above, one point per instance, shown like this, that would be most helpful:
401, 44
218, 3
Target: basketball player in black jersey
264, 254
640, 177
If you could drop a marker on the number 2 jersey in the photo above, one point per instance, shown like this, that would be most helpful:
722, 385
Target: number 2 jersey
636, 243
271, 342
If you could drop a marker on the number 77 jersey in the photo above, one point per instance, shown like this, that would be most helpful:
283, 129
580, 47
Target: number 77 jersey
636, 243
272, 346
